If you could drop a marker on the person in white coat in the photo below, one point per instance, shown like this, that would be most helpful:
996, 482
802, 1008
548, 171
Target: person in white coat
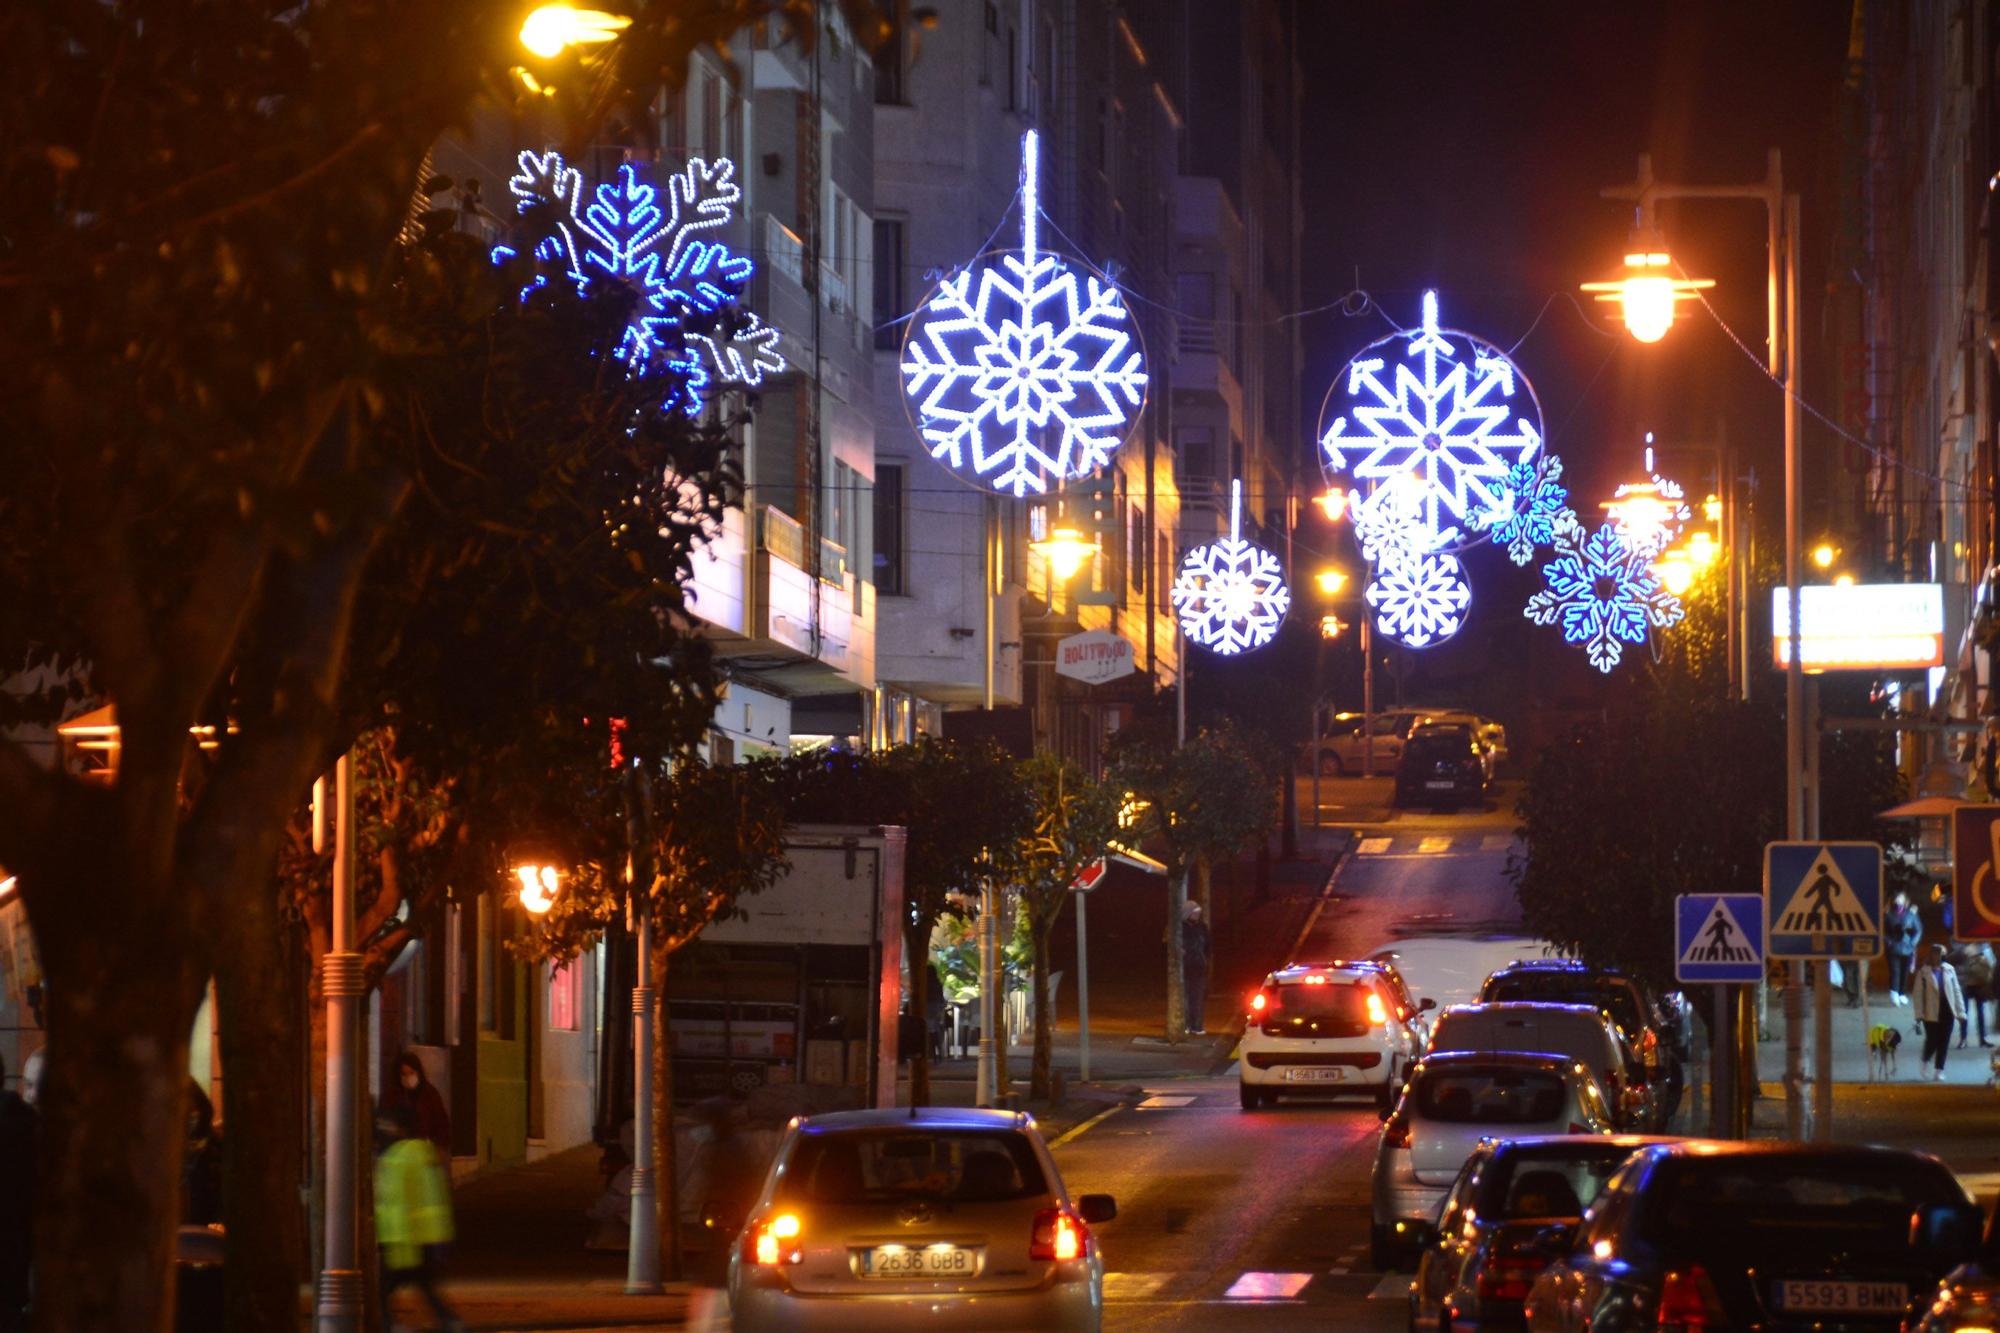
1939, 1003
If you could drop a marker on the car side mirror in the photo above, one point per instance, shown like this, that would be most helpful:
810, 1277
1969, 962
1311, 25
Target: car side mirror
1426, 1003
1947, 1231
1095, 1208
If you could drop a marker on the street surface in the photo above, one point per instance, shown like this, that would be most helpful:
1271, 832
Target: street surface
1235, 1219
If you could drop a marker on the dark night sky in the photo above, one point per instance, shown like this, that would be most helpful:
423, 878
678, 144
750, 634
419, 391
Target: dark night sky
1462, 146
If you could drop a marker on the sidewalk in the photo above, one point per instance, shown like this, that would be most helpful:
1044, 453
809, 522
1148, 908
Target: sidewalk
1971, 1066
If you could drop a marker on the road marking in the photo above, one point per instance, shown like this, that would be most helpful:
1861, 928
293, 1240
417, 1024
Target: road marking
1373, 846
1337, 1272
1133, 1286
1091, 1123
1159, 1103
1496, 842
1267, 1286
1392, 1287
1433, 845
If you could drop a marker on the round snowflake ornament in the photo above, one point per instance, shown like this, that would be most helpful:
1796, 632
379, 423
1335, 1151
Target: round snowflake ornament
1435, 408
1230, 594
1421, 602
1602, 592
1021, 371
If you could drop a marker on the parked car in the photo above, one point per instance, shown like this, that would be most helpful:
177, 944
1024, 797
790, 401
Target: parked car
1334, 1027
1454, 1100
1968, 1299
1578, 1031
1492, 737
1512, 1211
1654, 1029
928, 1216
1442, 765
1341, 743
1768, 1236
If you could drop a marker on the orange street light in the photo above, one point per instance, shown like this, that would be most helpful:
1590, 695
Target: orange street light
1331, 626
552, 29
1066, 550
1330, 581
1648, 293
538, 887
1332, 503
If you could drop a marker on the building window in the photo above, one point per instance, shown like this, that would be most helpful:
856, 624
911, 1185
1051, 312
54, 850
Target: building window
889, 90
1013, 68
711, 115
889, 296
889, 571
489, 966
1163, 565
565, 996
1135, 546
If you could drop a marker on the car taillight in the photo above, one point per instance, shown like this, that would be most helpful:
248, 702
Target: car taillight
1575, 1128
1688, 1304
1508, 1279
1057, 1236
1378, 1016
773, 1241
1260, 1002
1396, 1134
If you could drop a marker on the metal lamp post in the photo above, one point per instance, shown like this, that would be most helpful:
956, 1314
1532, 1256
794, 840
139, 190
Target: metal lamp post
338, 1307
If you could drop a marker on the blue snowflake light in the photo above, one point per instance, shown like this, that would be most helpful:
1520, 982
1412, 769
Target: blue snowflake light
1446, 409
1021, 372
1603, 592
1422, 601
1534, 504
1230, 594
688, 323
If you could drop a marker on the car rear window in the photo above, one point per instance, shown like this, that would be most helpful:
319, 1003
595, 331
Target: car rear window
1490, 1096
1331, 1009
863, 1166
1787, 1201
1556, 988
1436, 745
1546, 1184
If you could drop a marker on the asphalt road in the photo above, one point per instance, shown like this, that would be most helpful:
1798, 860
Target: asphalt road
1234, 1219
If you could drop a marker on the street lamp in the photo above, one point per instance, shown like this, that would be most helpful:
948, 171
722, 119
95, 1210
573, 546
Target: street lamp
538, 887
1330, 581
1066, 550
1648, 292
1333, 503
553, 29
1824, 554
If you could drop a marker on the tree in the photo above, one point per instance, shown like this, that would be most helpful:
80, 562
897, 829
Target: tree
1201, 803
1075, 819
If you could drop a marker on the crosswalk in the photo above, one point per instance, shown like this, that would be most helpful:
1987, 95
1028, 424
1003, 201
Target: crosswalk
1434, 844
1349, 1276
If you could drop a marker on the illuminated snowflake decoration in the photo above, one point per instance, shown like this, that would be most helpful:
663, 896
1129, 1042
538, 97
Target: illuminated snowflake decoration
1230, 594
687, 323
1421, 602
1389, 525
1442, 408
1535, 504
1650, 513
1602, 592
1021, 372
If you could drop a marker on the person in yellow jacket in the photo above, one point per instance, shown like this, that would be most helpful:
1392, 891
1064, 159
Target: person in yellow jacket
412, 1213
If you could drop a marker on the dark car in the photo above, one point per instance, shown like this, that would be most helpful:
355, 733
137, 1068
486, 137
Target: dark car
1513, 1210
1968, 1300
1767, 1236
1443, 765
1651, 1030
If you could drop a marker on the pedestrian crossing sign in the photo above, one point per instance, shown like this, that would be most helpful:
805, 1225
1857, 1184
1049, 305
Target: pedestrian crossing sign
1823, 899
1718, 937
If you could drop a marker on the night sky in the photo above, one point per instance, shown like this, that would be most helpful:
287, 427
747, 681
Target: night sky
1463, 146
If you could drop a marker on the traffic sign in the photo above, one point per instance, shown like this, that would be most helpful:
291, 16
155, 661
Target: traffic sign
1823, 899
1092, 876
1718, 937
1975, 872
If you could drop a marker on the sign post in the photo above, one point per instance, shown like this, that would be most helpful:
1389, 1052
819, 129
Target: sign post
1719, 939
1085, 882
1823, 901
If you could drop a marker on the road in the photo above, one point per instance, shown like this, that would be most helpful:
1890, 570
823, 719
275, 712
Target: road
1234, 1219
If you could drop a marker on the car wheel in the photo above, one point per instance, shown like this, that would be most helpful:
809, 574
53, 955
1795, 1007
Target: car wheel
1252, 1098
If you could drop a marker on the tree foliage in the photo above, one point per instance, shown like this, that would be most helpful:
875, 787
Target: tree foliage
1075, 817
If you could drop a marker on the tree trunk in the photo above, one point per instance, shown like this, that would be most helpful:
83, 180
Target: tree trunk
1204, 889
1176, 987
917, 948
1040, 1085
258, 995
114, 1107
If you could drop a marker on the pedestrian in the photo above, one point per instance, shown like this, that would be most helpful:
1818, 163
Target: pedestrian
1900, 934
17, 1205
1974, 962
412, 1213
414, 1090
201, 1168
1195, 940
1939, 1002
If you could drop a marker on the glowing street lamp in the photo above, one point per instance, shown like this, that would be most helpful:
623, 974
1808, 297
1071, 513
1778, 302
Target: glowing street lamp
1824, 554
1330, 581
1648, 293
538, 887
1676, 572
1332, 503
1331, 626
1066, 550
553, 29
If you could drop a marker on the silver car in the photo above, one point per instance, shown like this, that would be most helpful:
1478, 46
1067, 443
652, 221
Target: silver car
922, 1217
1454, 1100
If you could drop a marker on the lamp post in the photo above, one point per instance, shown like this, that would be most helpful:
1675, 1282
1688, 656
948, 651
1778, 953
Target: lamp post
1643, 301
338, 1307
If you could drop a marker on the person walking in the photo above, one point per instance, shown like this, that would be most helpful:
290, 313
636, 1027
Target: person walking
1900, 934
18, 1127
412, 1213
414, 1090
1195, 940
1974, 962
1939, 1002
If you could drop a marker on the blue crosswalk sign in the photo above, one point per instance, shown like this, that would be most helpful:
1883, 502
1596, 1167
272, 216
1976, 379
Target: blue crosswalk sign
1823, 899
1718, 937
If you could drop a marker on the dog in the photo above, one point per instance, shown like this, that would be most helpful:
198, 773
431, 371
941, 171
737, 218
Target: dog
1883, 1039
1993, 1070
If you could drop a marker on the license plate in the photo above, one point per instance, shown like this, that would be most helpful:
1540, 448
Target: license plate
908, 1261
1859, 1297
1328, 1074
1446, 785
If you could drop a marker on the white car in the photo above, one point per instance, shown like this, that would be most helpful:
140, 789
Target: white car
1579, 1031
1342, 746
1335, 1027
918, 1217
1453, 1101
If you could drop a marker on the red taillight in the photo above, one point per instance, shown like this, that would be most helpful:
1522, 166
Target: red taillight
1378, 1016
1507, 1279
1259, 1002
1396, 1134
1687, 1303
773, 1241
1057, 1236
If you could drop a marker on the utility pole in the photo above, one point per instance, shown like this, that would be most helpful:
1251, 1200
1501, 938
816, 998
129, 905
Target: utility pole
338, 1309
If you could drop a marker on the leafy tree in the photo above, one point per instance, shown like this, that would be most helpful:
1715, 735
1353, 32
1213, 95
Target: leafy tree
1075, 819
1201, 803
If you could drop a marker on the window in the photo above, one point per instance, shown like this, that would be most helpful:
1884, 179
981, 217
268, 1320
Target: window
565, 996
1013, 68
889, 297
711, 115
889, 90
890, 578
1163, 566
1197, 450
489, 966
1135, 546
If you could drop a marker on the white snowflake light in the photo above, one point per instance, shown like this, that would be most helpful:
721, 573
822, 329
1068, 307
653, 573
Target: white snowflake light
1230, 594
1603, 593
1421, 602
1535, 504
1441, 408
1021, 372
687, 323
